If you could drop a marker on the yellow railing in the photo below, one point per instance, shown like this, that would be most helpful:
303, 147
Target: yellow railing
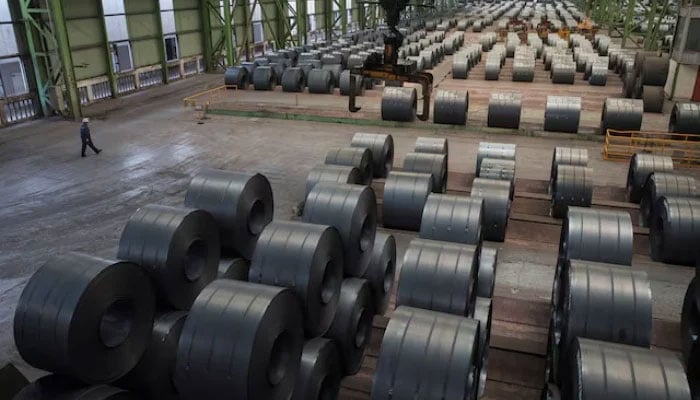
684, 149
205, 98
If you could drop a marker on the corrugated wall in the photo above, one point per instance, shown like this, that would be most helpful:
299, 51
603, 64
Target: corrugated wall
86, 36
188, 23
143, 19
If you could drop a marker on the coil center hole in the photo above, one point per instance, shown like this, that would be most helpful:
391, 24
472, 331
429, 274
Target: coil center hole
388, 276
256, 217
116, 323
195, 259
366, 235
280, 356
362, 327
329, 284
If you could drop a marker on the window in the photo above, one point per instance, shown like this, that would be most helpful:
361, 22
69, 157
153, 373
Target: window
12, 78
258, 36
167, 16
121, 57
171, 49
115, 20
693, 38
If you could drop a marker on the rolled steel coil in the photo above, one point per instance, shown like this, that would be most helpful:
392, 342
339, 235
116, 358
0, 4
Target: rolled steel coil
562, 114
498, 169
381, 271
235, 268
573, 186
523, 71
435, 145
179, 247
306, 69
486, 278
345, 84
567, 156
496, 196
483, 313
596, 235
504, 110
690, 327
405, 194
152, 376
319, 373
641, 166
439, 276
492, 70
663, 184
451, 218
335, 70
601, 370
293, 80
622, 114
500, 151
55, 386
563, 73
320, 81
399, 104
685, 118
629, 80
583, 308
460, 68
599, 75
241, 203
358, 157
674, 231
356, 61
429, 163
332, 173
451, 107
250, 67
352, 210
427, 352
306, 258
236, 76
653, 98
261, 61
242, 338
478, 26
419, 62
352, 326
85, 316
279, 71
382, 148
264, 78
332, 58
654, 71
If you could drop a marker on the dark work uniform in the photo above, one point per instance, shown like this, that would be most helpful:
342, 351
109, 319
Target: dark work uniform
87, 140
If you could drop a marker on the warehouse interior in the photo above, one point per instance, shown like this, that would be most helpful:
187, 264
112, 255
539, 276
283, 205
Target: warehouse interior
328, 199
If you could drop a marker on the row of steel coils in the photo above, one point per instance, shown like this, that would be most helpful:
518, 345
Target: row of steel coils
214, 298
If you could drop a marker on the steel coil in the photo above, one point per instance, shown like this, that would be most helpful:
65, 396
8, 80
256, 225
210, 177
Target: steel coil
486, 278
599, 75
352, 326
279, 71
60, 387
405, 194
306, 258
335, 70
399, 104
152, 376
573, 186
629, 82
653, 98
492, 70
621, 114
654, 71
306, 69
419, 62
332, 58
562, 114
596, 235
358, 157
381, 271
427, 352
504, 110
293, 80
460, 68
451, 218
235, 268
352, 210
345, 84
674, 231
236, 76
685, 118
496, 196
563, 73
320, 81
241, 203
264, 78
663, 184
501, 151
85, 316
439, 276
583, 308
332, 173
382, 148
566, 156
613, 371
434, 145
241, 338
641, 166
690, 327
498, 169
319, 373
250, 67
483, 314
523, 70
451, 107
429, 163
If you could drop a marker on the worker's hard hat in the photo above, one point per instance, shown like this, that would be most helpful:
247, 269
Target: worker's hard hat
86, 120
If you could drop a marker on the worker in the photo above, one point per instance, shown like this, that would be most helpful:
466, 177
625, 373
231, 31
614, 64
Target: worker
86, 138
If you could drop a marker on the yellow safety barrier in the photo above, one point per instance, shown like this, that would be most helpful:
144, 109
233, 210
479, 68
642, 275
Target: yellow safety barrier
205, 98
684, 149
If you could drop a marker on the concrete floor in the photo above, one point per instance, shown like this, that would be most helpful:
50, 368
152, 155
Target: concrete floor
55, 201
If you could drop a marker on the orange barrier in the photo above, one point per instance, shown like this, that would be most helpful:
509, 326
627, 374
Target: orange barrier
204, 99
684, 149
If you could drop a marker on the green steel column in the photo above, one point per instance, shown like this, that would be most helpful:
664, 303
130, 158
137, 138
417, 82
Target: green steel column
328, 19
108, 53
64, 51
628, 21
41, 83
343, 8
302, 16
207, 45
362, 15
228, 34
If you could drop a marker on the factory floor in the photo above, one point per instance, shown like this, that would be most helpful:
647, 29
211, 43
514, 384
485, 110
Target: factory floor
54, 201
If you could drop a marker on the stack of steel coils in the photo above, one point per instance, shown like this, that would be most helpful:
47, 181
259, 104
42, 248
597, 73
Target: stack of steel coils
495, 184
570, 180
646, 80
